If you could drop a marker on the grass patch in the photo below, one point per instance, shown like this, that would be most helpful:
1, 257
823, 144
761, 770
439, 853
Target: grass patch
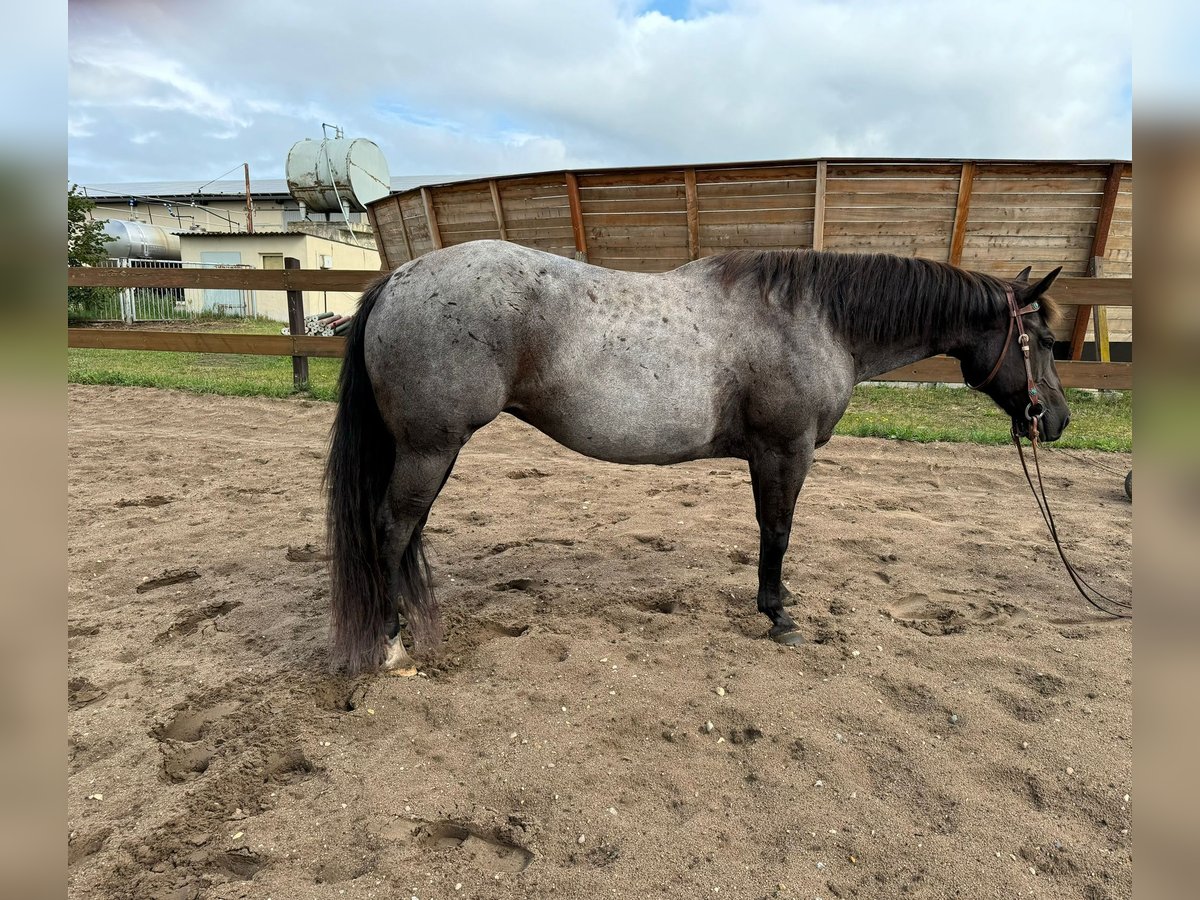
1099, 421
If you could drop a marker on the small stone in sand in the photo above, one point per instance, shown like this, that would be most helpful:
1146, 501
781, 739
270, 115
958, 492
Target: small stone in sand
720, 692
582, 838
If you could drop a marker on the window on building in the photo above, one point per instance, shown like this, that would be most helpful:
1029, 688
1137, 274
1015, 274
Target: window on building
272, 260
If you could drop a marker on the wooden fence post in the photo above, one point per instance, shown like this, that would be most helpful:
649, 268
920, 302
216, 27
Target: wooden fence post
962, 209
818, 239
295, 301
1104, 217
576, 216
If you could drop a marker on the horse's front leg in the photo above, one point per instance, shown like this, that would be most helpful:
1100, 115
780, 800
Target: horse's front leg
777, 476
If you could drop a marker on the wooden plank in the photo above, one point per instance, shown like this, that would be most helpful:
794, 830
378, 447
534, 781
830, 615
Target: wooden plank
1082, 230
983, 199
894, 169
634, 205
919, 216
946, 370
962, 210
1066, 214
932, 201
497, 209
632, 191
917, 185
1104, 217
755, 217
636, 219
204, 342
431, 219
781, 186
1111, 376
243, 279
729, 175
629, 178
930, 232
1063, 169
804, 201
1068, 291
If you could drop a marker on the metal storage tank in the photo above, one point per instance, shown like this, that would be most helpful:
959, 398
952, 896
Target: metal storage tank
319, 173
137, 240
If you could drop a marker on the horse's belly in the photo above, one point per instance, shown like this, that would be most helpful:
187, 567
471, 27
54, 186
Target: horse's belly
626, 421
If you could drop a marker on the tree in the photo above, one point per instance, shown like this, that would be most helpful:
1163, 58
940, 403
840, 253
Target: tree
85, 247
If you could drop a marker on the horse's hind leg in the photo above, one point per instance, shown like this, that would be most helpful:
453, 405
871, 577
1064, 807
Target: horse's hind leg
417, 480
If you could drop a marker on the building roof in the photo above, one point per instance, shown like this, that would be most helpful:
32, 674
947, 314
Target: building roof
248, 234
262, 188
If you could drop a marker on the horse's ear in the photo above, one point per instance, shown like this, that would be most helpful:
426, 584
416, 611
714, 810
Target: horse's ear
1023, 277
1042, 286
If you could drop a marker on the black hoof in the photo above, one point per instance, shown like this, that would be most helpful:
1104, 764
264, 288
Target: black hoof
788, 635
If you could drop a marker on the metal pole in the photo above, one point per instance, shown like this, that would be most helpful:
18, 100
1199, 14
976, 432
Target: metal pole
295, 301
249, 202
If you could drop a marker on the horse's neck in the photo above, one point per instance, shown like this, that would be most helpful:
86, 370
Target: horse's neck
875, 357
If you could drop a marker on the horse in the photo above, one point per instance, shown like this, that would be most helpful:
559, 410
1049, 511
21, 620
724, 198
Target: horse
748, 354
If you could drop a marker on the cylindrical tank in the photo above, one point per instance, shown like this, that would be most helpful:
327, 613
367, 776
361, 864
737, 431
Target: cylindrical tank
137, 240
319, 172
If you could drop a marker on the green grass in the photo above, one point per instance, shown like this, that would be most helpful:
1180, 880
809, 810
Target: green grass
1099, 421
231, 374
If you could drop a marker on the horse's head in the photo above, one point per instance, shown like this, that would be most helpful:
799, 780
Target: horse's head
995, 363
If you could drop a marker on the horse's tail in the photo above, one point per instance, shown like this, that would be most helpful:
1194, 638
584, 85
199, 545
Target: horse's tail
362, 453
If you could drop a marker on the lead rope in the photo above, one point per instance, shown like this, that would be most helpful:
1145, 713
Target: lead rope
1089, 593
1033, 414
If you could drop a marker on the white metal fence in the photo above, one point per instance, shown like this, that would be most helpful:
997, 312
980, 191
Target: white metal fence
160, 304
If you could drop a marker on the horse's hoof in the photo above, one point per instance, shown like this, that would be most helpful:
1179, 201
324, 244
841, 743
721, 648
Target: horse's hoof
789, 636
397, 661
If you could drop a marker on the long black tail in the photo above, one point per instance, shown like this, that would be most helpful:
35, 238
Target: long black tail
362, 454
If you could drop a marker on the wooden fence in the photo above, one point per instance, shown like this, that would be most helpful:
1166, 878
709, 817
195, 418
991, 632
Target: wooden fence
1068, 291
989, 215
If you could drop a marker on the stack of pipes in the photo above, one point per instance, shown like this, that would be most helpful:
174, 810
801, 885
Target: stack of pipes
326, 324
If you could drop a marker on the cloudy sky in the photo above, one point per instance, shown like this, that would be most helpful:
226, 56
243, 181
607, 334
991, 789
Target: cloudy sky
175, 90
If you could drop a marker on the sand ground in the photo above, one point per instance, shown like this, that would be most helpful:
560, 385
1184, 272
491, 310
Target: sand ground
607, 719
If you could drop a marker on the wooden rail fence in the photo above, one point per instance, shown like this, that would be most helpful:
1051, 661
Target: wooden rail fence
1068, 291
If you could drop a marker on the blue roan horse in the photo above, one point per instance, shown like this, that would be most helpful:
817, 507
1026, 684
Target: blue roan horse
750, 354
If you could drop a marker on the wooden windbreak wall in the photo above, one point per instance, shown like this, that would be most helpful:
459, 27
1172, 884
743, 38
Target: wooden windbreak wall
989, 215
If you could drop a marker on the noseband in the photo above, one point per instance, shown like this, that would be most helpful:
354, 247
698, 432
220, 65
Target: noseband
1118, 609
1034, 409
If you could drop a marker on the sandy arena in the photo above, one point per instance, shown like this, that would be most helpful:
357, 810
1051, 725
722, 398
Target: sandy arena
607, 719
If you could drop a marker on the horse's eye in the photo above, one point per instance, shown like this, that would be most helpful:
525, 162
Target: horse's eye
1048, 343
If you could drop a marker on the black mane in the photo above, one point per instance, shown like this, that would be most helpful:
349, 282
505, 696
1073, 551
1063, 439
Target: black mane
869, 296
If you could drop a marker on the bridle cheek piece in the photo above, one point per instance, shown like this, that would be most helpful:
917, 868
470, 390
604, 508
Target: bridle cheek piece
1033, 409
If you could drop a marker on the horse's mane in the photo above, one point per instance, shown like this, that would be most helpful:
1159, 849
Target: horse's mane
871, 296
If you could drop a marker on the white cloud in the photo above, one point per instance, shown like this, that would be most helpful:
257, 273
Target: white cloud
451, 85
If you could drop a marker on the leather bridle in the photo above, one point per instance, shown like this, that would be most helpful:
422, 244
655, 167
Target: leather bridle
1034, 409
1122, 609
